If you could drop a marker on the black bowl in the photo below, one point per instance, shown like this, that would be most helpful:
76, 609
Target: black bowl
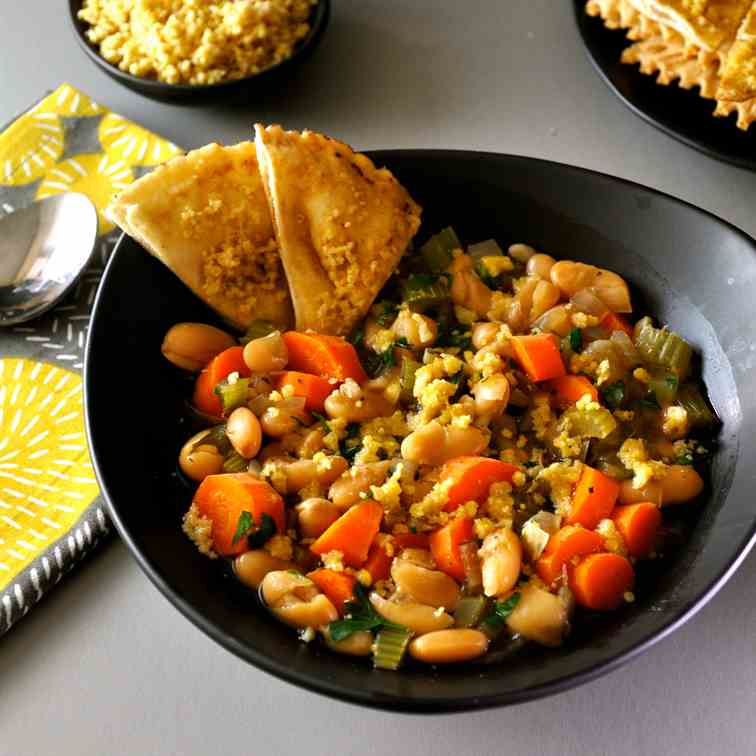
686, 267
678, 112
228, 91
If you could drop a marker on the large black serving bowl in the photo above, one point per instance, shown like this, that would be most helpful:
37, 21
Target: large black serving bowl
686, 267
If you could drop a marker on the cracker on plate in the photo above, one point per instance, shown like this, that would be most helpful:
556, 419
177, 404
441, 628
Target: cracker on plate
205, 215
342, 224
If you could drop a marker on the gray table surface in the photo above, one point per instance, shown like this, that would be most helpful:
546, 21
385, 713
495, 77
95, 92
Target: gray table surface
105, 665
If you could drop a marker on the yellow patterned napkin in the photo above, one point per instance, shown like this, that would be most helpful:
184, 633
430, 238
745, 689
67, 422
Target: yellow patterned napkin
51, 513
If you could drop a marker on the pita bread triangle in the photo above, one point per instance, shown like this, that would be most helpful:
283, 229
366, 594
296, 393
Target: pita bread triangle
205, 215
342, 225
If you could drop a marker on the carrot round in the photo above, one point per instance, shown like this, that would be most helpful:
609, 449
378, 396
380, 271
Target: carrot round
594, 498
600, 581
566, 544
221, 366
222, 499
326, 356
352, 534
538, 356
337, 586
638, 524
445, 543
569, 388
472, 478
313, 388
411, 540
614, 322
378, 562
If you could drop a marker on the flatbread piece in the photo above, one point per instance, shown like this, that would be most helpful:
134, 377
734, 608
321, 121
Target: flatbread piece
205, 215
342, 224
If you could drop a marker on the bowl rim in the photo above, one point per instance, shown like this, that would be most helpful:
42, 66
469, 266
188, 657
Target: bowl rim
390, 701
319, 17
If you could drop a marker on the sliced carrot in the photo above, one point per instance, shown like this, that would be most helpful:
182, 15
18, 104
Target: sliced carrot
313, 388
378, 562
222, 499
538, 356
472, 478
326, 356
352, 534
569, 388
337, 586
600, 581
411, 540
221, 366
638, 524
594, 498
566, 544
613, 322
445, 543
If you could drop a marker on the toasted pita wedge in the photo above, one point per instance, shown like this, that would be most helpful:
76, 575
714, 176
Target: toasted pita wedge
205, 215
705, 23
739, 71
341, 224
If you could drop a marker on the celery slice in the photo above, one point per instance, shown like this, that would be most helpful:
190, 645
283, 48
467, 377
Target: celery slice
407, 379
421, 292
692, 401
470, 611
437, 251
390, 646
232, 395
664, 388
487, 248
663, 348
257, 329
235, 463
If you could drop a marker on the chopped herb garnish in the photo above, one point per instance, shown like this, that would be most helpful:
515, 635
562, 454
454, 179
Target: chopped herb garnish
576, 339
357, 338
501, 610
650, 401
322, 420
493, 282
350, 444
613, 394
256, 535
671, 381
684, 459
388, 310
360, 615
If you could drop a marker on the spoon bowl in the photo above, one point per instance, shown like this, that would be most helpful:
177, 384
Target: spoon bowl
43, 250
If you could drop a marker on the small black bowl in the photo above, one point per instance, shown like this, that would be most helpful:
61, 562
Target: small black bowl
685, 266
228, 91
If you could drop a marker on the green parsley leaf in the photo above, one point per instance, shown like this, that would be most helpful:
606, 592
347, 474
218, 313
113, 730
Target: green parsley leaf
357, 338
576, 339
684, 459
387, 312
613, 394
650, 401
360, 615
350, 444
322, 420
671, 381
244, 524
501, 610
256, 535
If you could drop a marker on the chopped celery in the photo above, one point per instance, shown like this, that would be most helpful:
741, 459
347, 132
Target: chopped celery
232, 395
437, 251
215, 436
421, 292
663, 348
257, 329
588, 423
235, 463
664, 388
407, 379
470, 610
390, 646
692, 401
487, 248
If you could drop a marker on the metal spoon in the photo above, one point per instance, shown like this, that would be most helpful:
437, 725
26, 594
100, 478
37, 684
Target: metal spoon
43, 250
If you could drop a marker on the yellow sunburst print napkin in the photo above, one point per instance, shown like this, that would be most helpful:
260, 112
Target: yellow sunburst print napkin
51, 513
